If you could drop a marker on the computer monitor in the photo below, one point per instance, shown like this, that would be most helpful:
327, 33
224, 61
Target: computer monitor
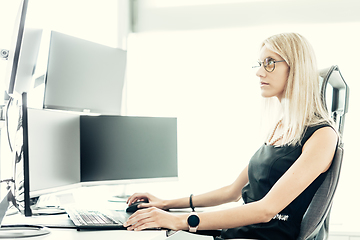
49, 154
53, 139
84, 76
64, 150
22, 55
20, 182
121, 149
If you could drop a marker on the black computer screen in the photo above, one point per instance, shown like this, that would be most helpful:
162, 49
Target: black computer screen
127, 148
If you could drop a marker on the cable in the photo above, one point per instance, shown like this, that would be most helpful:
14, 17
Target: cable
19, 122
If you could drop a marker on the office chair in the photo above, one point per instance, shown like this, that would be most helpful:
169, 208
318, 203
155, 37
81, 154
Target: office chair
315, 223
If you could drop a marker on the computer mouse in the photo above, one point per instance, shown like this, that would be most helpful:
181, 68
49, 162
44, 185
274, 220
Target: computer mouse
134, 206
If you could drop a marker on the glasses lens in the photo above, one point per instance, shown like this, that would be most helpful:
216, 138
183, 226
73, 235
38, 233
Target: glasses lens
269, 64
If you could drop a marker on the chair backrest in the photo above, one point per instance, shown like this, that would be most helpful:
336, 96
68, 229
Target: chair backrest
315, 223
337, 95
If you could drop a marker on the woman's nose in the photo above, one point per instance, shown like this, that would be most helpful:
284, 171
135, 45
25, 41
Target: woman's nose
261, 72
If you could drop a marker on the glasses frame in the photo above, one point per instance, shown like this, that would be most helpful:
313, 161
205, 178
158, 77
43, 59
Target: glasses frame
262, 64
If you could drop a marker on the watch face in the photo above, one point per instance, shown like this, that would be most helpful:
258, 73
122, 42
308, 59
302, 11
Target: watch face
193, 220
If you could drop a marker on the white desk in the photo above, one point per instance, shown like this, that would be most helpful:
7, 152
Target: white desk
89, 197
73, 234
69, 234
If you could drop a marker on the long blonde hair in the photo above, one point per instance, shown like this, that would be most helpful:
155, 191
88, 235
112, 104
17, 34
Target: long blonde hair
301, 104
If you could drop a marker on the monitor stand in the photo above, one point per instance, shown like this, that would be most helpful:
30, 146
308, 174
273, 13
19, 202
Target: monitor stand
121, 196
50, 204
17, 230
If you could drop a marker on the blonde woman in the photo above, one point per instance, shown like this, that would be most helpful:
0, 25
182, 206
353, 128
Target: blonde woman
283, 175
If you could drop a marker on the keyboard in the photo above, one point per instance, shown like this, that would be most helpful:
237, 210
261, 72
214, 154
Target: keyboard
95, 219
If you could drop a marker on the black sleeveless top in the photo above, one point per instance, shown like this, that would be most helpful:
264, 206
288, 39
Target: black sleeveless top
267, 165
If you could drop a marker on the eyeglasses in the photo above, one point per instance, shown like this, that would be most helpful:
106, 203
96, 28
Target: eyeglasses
268, 64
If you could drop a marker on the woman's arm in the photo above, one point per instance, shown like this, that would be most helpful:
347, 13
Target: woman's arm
226, 194
230, 193
315, 159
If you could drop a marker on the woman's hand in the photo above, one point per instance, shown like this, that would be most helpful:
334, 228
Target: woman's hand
155, 218
153, 201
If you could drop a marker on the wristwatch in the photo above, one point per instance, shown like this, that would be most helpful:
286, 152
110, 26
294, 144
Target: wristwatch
193, 222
